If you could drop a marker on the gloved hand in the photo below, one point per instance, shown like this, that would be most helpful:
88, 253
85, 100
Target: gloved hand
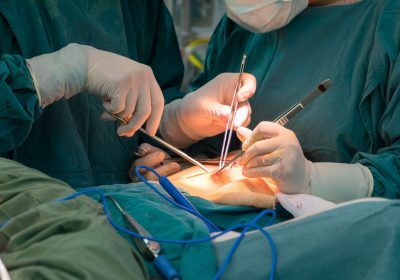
128, 88
205, 112
153, 157
274, 151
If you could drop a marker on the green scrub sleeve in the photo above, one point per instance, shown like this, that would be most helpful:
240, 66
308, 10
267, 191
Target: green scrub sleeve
384, 161
19, 105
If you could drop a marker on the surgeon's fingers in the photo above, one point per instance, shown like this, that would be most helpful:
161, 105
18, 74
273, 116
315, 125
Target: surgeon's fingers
168, 169
243, 133
220, 113
106, 116
152, 159
243, 114
130, 104
115, 104
261, 147
164, 170
247, 88
264, 130
157, 107
272, 171
264, 159
142, 112
146, 148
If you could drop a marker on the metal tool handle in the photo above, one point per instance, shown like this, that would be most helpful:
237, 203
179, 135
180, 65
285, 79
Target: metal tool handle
166, 145
175, 150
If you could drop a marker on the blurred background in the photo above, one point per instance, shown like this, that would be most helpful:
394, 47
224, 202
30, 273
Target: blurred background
195, 21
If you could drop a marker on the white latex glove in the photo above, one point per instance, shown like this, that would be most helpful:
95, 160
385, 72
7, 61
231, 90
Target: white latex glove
153, 157
274, 151
205, 112
128, 88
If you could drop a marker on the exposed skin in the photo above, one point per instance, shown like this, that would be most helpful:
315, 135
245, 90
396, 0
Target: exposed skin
227, 187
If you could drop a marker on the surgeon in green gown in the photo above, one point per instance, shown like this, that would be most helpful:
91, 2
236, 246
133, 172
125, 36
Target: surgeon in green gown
125, 54
346, 143
355, 123
67, 140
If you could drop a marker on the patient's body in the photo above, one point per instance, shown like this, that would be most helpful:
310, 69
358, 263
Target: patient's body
227, 187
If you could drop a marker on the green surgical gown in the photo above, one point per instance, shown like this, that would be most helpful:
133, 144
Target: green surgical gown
357, 46
42, 238
67, 140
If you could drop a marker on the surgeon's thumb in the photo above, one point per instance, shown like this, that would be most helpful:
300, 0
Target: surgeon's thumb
243, 133
221, 113
247, 87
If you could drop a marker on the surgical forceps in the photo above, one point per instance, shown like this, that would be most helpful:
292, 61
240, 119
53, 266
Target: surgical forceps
287, 115
229, 125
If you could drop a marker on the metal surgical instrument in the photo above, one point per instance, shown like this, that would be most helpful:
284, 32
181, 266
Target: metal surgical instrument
166, 145
229, 125
148, 248
287, 115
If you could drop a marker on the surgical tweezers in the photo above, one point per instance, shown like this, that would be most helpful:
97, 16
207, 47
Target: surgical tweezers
229, 125
285, 117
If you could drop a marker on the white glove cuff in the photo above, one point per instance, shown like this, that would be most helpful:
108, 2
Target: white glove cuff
35, 83
58, 75
173, 128
340, 182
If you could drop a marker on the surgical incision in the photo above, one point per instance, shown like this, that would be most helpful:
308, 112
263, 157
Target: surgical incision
227, 187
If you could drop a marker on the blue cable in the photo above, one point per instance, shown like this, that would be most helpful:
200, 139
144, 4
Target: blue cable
245, 227
211, 226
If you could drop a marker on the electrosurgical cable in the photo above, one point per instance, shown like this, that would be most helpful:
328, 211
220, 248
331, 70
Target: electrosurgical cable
150, 250
225, 264
178, 199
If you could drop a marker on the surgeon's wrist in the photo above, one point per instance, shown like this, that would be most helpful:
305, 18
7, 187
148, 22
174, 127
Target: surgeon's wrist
75, 60
57, 75
339, 182
35, 82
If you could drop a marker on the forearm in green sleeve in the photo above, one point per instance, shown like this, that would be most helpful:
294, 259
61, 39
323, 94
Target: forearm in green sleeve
19, 104
385, 170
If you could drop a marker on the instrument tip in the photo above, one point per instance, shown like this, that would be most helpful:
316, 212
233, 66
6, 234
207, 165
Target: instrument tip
325, 85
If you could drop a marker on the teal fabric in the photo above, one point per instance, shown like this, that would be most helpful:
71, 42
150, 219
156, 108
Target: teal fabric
165, 221
68, 141
357, 47
18, 109
355, 241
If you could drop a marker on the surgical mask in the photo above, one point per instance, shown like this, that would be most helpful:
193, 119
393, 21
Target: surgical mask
264, 15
